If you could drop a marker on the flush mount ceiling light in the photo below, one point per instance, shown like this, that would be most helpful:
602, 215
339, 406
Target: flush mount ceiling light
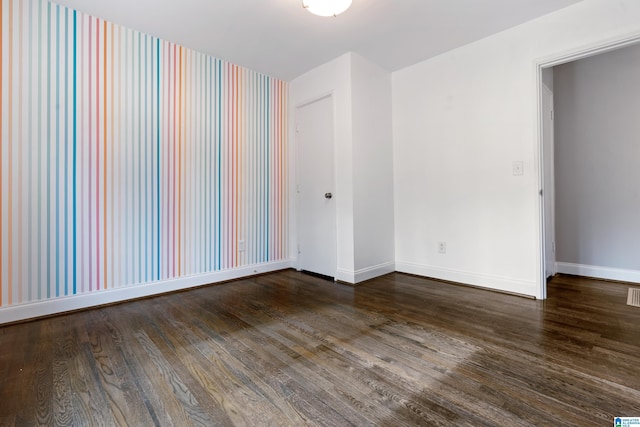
326, 7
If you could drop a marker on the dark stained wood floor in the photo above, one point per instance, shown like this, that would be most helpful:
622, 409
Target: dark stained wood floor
291, 349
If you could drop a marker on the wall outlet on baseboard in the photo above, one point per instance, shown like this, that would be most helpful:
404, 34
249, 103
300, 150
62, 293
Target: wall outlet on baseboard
442, 247
241, 245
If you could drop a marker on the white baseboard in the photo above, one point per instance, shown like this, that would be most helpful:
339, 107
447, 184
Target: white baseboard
500, 283
374, 271
76, 302
357, 276
598, 272
346, 276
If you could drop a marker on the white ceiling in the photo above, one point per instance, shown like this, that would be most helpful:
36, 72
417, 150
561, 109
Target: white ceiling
281, 39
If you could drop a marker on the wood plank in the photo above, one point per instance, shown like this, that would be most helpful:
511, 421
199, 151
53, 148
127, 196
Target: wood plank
290, 349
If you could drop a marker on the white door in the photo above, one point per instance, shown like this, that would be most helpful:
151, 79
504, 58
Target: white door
316, 201
548, 185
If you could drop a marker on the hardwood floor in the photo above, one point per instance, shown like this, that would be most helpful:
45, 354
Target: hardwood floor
291, 349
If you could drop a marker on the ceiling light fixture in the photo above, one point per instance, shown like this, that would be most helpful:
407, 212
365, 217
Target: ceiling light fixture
326, 7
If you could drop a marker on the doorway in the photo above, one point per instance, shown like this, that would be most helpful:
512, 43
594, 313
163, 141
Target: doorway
317, 241
545, 163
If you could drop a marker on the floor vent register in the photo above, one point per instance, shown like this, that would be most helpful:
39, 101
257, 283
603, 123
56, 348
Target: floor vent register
634, 297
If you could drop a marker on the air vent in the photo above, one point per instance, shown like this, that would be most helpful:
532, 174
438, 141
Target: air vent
634, 297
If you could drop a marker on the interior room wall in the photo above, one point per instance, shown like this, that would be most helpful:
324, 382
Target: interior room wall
333, 78
363, 160
130, 165
596, 158
460, 120
372, 169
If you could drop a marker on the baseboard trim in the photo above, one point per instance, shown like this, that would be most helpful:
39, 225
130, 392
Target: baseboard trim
17, 313
357, 276
345, 276
374, 271
487, 281
598, 272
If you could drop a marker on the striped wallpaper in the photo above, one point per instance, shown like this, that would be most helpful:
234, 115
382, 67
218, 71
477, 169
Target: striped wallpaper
126, 159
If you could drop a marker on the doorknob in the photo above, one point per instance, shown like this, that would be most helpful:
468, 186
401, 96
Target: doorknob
328, 195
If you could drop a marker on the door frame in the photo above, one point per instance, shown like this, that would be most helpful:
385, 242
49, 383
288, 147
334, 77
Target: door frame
549, 188
592, 49
298, 106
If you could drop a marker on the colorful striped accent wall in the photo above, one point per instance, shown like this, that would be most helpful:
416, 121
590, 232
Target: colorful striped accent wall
127, 159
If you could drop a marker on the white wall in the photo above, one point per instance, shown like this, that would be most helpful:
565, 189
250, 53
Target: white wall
333, 77
459, 121
363, 161
597, 158
372, 169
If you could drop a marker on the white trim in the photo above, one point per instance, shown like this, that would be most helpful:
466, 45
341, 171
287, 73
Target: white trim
489, 281
346, 276
367, 273
375, 271
20, 312
598, 272
548, 188
316, 98
541, 282
591, 49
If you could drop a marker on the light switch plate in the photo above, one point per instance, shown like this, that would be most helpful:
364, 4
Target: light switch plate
518, 168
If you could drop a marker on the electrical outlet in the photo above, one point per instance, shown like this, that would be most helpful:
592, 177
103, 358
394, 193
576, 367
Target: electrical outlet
241, 245
442, 247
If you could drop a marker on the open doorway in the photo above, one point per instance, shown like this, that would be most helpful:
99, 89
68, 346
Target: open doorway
588, 163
